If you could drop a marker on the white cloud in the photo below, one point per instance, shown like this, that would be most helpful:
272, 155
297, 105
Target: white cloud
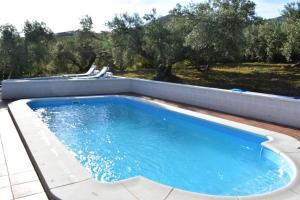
270, 8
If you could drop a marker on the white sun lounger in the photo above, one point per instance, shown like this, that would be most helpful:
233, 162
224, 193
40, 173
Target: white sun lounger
103, 71
88, 73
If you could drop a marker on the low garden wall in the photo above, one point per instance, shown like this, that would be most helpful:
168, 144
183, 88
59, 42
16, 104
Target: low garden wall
260, 106
22, 88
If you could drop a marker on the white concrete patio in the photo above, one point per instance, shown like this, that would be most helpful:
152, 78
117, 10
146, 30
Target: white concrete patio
18, 179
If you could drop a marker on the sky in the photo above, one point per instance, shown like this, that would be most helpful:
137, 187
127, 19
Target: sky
64, 15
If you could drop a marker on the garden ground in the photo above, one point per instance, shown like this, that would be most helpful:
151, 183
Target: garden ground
281, 79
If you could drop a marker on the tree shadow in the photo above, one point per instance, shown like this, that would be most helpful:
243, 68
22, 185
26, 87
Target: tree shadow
281, 84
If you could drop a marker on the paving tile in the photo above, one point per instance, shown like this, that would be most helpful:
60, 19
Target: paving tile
16, 157
92, 190
6, 194
284, 143
58, 166
2, 158
3, 170
18, 166
27, 189
23, 177
279, 195
295, 183
40, 196
177, 194
4, 182
146, 189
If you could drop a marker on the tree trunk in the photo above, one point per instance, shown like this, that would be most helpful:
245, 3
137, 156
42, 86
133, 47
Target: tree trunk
91, 60
10, 73
75, 62
296, 65
164, 73
203, 68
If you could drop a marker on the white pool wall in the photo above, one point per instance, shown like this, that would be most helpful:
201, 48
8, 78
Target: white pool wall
260, 106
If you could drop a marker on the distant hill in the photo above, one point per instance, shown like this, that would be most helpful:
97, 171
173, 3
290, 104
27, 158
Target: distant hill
66, 33
276, 19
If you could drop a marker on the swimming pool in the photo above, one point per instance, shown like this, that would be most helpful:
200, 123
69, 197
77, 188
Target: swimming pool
116, 138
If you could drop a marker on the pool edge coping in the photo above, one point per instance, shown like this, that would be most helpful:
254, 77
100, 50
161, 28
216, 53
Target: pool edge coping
282, 144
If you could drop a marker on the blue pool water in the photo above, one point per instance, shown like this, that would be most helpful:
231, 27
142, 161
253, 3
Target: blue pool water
117, 138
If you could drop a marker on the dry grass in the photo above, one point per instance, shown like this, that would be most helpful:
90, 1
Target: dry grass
267, 78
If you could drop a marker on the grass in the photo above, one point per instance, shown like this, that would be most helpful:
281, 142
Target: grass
278, 79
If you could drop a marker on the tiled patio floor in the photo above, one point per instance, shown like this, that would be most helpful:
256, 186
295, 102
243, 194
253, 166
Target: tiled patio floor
18, 179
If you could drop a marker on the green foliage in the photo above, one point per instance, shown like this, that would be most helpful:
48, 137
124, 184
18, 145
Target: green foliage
12, 52
275, 41
291, 47
63, 55
86, 23
103, 50
37, 39
127, 38
161, 41
217, 27
292, 11
264, 42
77, 53
41, 52
291, 27
198, 34
273, 37
152, 39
